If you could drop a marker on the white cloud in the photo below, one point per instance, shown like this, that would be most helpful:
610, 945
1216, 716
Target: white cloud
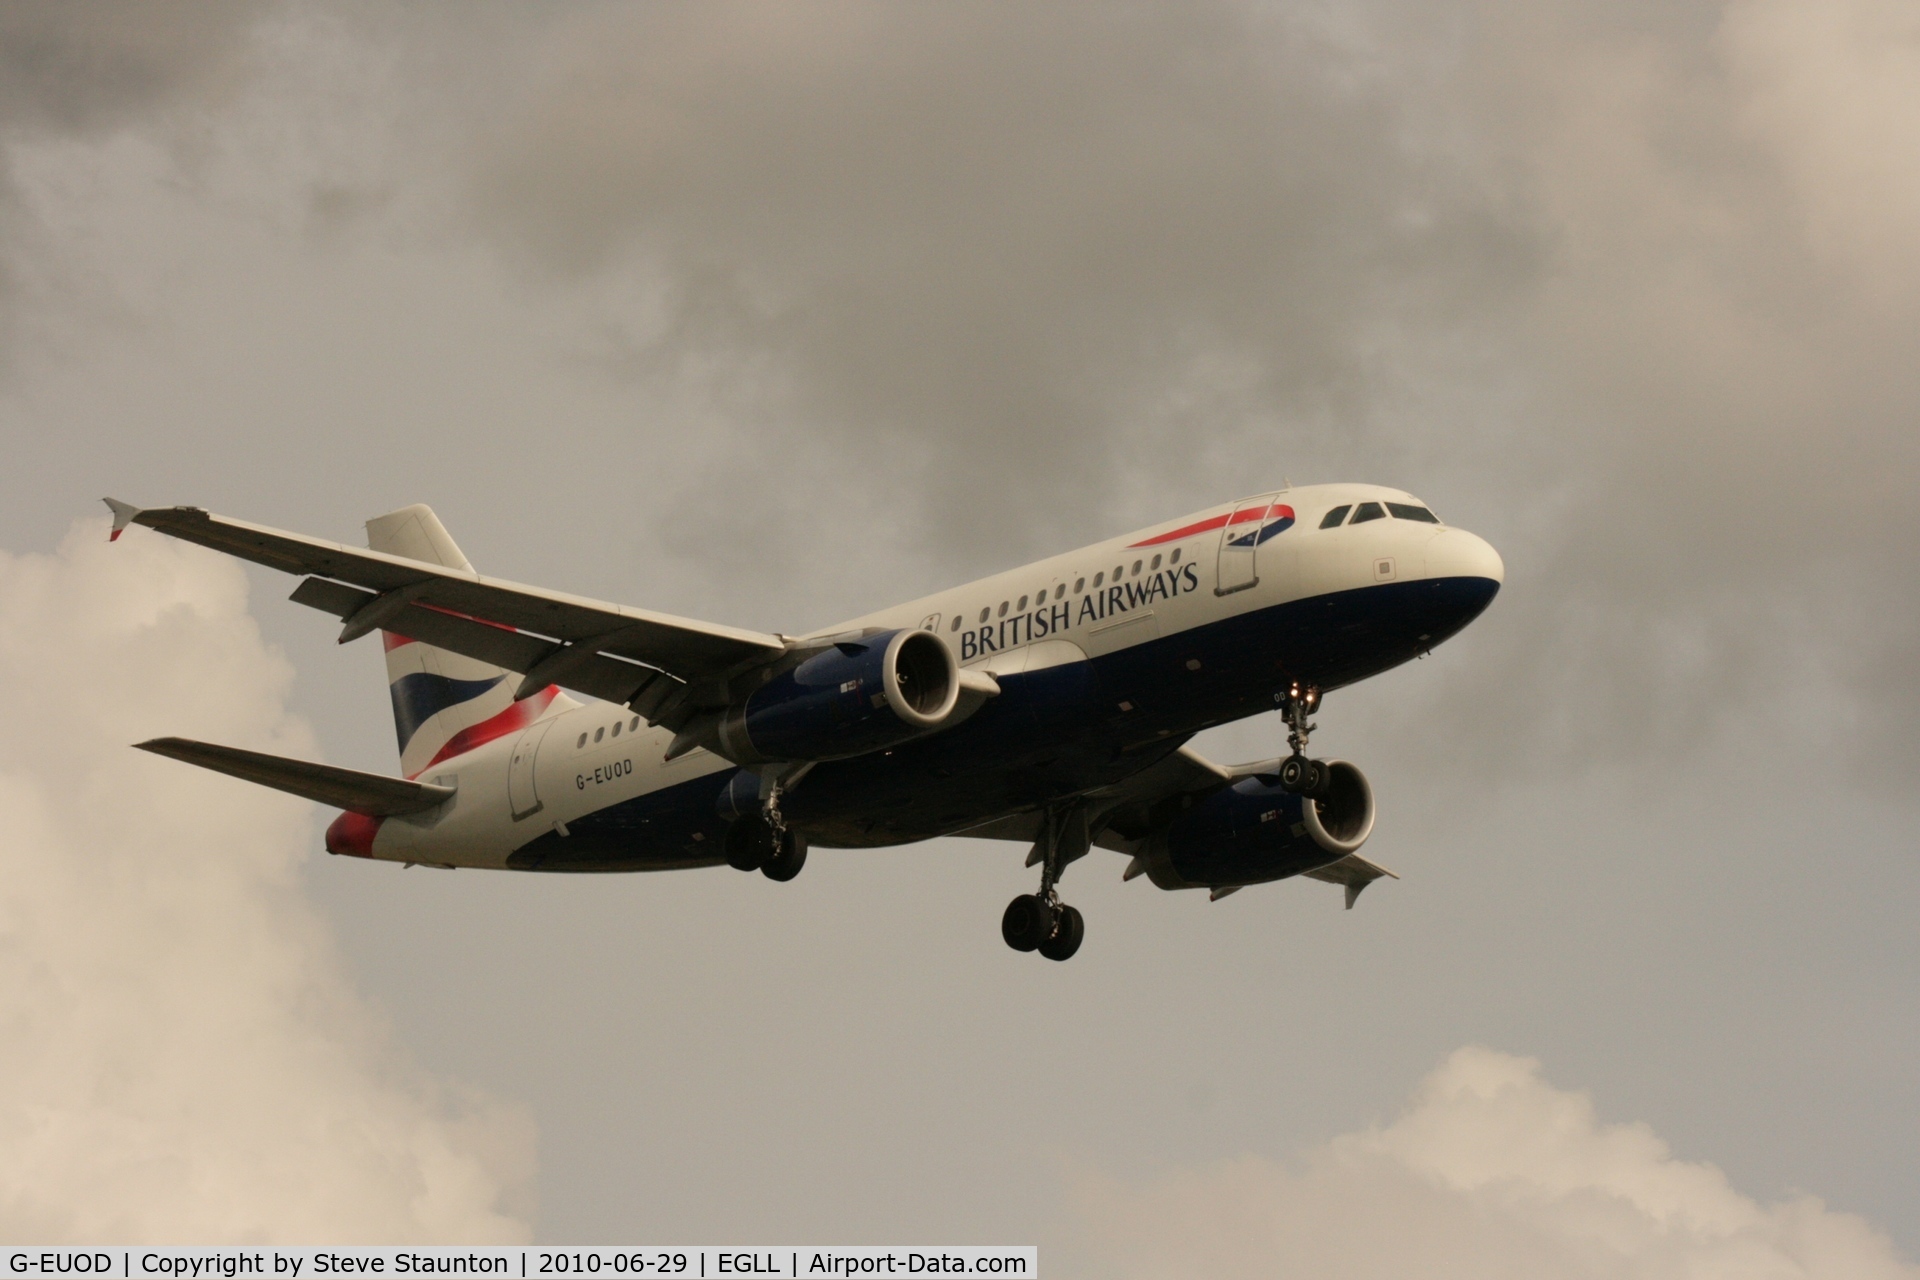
1491, 1172
186, 1059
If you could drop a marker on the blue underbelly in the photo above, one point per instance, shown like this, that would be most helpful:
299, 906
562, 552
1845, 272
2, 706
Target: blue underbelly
1050, 733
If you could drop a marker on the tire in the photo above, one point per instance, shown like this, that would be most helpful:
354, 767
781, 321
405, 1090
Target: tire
1294, 772
784, 863
748, 842
1319, 780
1026, 923
1066, 935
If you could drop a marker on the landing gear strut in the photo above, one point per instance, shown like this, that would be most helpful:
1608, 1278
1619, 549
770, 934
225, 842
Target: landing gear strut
1299, 775
1040, 921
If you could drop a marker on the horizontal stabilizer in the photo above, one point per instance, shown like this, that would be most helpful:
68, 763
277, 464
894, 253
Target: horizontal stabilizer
373, 794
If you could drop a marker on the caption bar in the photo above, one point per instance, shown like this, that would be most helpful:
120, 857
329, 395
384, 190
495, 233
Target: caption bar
516, 1262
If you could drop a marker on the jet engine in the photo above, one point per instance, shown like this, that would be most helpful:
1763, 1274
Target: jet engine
851, 698
1253, 832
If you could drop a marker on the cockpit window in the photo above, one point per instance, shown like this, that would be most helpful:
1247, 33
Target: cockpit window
1335, 516
1368, 511
1407, 511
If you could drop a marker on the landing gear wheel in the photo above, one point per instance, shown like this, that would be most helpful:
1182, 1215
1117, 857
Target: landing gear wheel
1303, 777
784, 862
1028, 922
748, 844
1068, 929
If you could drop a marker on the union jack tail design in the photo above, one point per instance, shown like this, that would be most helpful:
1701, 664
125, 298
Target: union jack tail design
444, 705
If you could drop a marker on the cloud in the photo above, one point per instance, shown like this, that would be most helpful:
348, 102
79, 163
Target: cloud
1624, 288
187, 1060
1490, 1172
79, 65
939, 239
80, 72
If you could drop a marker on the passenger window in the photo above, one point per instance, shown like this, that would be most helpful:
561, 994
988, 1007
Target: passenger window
986, 613
1335, 516
956, 623
1118, 571
1368, 511
634, 727
581, 743
1003, 608
1100, 577
1407, 511
1136, 568
1022, 604
1175, 558
1156, 563
1060, 592
600, 733
616, 728
1079, 585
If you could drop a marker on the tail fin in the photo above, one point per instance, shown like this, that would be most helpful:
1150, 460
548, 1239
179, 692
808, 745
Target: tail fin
443, 704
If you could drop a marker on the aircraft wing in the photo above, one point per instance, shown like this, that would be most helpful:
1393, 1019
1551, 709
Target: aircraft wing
611, 651
1123, 815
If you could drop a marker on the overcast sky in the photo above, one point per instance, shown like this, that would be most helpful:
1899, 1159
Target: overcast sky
775, 314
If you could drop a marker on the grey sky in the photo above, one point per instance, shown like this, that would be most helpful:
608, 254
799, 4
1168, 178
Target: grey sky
773, 314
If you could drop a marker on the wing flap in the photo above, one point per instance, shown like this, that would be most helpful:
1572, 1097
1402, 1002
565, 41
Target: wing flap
683, 647
373, 794
586, 670
1352, 871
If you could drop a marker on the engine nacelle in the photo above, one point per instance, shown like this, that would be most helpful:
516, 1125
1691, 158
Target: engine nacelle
855, 697
1253, 832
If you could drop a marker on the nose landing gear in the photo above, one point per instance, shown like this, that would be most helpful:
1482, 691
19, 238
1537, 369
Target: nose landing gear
1040, 921
1299, 775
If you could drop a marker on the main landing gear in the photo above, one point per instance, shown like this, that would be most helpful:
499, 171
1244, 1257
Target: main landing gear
763, 842
1040, 921
1299, 775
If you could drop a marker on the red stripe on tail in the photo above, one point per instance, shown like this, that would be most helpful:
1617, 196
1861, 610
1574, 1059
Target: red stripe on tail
514, 718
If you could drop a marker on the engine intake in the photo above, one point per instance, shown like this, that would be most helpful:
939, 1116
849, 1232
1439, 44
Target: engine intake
1253, 832
1341, 820
855, 697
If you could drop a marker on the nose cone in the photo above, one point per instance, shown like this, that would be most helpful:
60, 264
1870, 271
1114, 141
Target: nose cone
1455, 553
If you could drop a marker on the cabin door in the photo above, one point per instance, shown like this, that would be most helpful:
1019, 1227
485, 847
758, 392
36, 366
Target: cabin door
1240, 545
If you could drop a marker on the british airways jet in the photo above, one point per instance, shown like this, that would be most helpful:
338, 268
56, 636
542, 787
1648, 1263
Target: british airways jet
1050, 704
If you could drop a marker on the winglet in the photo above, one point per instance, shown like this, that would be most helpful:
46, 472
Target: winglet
123, 514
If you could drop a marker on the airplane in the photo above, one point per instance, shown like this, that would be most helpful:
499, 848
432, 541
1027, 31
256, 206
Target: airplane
1050, 704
